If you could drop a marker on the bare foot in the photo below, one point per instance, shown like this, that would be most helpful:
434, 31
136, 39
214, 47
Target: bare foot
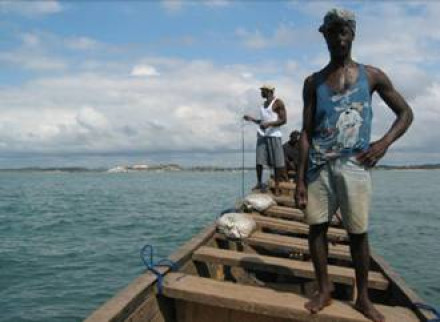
260, 187
318, 302
257, 186
367, 308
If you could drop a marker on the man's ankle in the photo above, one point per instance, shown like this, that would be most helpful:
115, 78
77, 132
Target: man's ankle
363, 298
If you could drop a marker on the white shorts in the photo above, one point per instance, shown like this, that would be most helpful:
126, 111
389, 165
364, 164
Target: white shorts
342, 183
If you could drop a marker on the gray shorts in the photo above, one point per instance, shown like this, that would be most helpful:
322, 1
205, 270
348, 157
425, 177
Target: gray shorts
270, 151
342, 183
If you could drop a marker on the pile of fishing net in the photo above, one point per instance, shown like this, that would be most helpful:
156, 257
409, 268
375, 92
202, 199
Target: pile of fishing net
236, 226
258, 202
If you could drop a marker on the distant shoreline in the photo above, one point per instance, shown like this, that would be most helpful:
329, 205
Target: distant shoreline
175, 167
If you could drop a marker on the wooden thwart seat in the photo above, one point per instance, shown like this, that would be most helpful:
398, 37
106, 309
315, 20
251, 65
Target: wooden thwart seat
337, 274
293, 244
267, 302
285, 212
333, 234
283, 185
292, 214
284, 200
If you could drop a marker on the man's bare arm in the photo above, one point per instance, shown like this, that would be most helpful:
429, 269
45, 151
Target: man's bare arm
404, 116
251, 119
309, 98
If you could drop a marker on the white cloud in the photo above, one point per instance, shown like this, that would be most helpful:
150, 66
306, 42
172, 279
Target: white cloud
30, 8
81, 43
253, 40
316, 9
144, 70
36, 61
193, 105
30, 39
283, 35
217, 3
172, 5
91, 119
106, 104
247, 75
425, 131
36, 48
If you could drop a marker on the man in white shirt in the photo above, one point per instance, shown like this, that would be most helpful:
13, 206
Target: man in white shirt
269, 146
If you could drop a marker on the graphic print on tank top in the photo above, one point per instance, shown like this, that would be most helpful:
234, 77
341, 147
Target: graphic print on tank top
349, 121
342, 121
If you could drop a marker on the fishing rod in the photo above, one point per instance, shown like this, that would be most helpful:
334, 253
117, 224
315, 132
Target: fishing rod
242, 158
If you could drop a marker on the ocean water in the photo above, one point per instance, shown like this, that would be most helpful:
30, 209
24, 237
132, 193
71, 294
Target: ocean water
70, 241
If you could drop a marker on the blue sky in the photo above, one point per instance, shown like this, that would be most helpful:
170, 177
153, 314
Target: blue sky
88, 77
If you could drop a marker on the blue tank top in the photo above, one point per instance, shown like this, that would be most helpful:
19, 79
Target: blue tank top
342, 122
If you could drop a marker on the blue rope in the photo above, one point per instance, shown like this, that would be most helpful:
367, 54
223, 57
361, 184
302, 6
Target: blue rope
430, 309
147, 258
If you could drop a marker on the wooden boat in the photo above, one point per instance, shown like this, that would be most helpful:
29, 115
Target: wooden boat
266, 278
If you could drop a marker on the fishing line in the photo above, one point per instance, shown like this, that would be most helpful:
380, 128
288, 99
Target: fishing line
242, 158
243, 124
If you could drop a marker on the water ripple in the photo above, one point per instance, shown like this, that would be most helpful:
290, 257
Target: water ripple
71, 241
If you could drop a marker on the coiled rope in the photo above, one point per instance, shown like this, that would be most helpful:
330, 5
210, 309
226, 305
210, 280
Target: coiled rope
147, 257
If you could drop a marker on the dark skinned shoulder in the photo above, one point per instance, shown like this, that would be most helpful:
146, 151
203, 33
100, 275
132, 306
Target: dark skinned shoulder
309, 84
309, 90
279, 108
278, 104
377, 79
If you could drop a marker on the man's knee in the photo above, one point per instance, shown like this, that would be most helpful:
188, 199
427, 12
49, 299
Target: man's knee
357, 239
318, 229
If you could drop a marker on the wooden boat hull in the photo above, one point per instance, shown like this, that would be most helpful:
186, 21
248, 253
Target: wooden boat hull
268, 277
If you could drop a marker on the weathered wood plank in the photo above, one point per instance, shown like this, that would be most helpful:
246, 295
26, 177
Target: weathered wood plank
284, 200
292, 244
153, 309
283, 266
267, 301
401, 292
334, 234
293, 214
284, 185
196, 312
127, 301
285, 212
286, 209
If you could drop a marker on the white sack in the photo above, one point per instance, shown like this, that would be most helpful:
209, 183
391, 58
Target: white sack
236, 225
258, 201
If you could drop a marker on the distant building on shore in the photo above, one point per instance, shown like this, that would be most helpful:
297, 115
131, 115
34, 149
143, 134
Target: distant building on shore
145, 167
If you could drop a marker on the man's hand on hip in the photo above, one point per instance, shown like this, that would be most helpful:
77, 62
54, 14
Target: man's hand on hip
375, 152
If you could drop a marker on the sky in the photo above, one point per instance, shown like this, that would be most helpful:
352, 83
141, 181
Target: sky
115, 77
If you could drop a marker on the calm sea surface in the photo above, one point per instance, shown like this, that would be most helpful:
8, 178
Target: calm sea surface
69, 241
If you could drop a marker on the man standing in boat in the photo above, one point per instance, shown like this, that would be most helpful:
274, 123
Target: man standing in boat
336, 154
269, 146
291, 154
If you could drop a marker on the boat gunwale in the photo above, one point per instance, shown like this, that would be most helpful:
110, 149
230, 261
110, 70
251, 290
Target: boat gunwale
126, 301
399, 284
134, 295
